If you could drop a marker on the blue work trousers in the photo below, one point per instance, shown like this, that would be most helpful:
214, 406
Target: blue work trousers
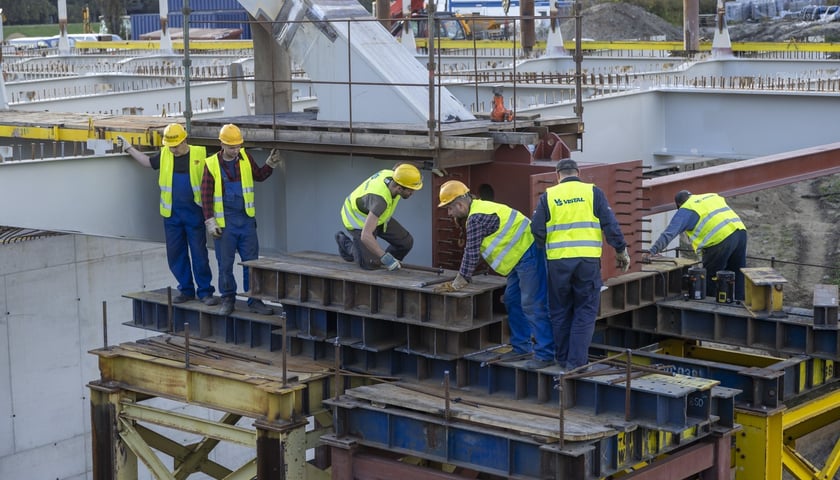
238, 235
731, 255
574, 296
525, 300
186, 238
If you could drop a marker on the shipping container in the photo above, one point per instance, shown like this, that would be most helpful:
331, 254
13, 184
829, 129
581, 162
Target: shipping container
177, 6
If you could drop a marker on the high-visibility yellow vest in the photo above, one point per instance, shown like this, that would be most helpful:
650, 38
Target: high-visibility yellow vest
353, 218
504, 248
717, 221
573, 230
247, 178
167, 168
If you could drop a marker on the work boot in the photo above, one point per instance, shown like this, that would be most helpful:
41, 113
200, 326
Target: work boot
181, 298
257, 306
345, 246
210, 300
227, 305
536, 364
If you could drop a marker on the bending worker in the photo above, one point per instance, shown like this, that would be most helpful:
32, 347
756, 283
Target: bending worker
180, 167
227, 198
713, 228
367, 214
502, 236
570, 220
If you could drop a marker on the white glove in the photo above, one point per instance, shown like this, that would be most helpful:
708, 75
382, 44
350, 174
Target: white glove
390, 262
213, 228
622, 260
274, 158
123, 143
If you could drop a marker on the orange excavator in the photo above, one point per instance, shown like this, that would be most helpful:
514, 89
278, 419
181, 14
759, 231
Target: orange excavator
450, 26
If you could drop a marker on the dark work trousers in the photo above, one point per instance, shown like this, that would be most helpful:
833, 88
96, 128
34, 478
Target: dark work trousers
399, 244
730, 254
186, 238
238, 235
574, 295
527, 307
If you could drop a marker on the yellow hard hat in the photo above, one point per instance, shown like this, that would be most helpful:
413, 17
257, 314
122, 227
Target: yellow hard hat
408, 176
173, 135
231, 135
451, 190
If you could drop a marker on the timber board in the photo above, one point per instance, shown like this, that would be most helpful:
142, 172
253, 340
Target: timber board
81, 120
480, 411
332, 266
307, 121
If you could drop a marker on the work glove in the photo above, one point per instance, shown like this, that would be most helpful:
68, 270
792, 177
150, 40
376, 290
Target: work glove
213, 228
453, 286
123, 143
390, 262
622, 260
274, 158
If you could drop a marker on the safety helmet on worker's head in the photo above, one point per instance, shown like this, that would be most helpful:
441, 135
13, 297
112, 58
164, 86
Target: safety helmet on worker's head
681, 197
230, 135
408, 176
451, 190
173, 135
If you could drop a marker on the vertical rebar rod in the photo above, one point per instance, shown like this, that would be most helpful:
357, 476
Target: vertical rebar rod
285, 339
627, 392
560, 418
446, 394
337, 368
169, 327
187, 344
104, 325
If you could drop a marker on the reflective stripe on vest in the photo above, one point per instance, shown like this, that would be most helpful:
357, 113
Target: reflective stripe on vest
353, 217
167, 168
504, 248
717, 221
247, 180
572, 230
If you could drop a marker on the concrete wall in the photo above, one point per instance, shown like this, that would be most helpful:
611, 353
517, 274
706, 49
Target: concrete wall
51, 296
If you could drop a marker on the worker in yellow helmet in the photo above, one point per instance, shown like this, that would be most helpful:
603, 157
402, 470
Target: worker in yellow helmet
227, 197
180, 167
502, 236
367, 214
570, 221
713, 229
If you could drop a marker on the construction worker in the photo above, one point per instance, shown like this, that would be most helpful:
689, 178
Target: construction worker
502, 236
713, 229
180, 167
227, 197
367, 215
571, 219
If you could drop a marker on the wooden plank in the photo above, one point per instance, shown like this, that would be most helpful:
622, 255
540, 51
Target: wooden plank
477, 410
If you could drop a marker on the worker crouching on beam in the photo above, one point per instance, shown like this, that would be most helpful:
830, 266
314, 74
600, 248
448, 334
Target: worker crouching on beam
502, 236
367, 214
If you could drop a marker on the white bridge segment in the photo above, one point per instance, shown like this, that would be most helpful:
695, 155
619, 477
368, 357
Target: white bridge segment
388, 84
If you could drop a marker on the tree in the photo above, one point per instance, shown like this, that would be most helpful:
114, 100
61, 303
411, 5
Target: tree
30, 11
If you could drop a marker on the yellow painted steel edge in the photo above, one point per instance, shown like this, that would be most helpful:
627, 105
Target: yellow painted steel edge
818, 406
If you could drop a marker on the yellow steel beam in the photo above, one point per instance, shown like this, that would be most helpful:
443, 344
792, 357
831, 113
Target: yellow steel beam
798, 465
246, 395
832, 463
180, 453
639, 45
245, 472
825, 405
186, 423
135, 443
758, 446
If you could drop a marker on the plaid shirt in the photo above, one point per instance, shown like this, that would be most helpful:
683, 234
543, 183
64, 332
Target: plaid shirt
479, 225
208, 183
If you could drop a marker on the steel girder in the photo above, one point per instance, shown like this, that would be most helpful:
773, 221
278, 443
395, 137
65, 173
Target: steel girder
744, 176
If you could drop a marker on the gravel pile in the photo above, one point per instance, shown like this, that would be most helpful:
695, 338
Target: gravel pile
621, 21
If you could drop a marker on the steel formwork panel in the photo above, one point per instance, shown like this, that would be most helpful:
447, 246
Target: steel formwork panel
708, 320
397, 298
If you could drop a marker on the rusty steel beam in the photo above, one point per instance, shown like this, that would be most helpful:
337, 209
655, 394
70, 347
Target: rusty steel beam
745, 176
709, 457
